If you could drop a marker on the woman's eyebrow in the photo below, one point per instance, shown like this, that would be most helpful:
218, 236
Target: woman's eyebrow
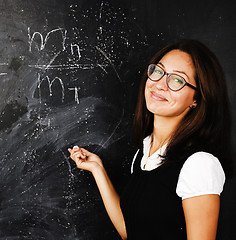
161, 64
178, 71
181, 72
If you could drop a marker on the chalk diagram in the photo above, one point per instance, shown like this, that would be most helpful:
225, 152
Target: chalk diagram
59, 49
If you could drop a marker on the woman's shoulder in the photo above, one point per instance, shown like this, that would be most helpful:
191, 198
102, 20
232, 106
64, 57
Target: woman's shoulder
201, 158
201, 173
202, 164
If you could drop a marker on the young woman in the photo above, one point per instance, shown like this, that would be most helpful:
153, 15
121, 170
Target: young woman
182, 127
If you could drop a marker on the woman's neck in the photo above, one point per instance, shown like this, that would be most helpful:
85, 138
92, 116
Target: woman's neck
163, 128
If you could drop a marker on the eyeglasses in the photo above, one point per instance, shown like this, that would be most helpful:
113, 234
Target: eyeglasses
173, 81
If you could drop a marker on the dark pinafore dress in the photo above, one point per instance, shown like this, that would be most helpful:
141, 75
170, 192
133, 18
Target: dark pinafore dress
150, 205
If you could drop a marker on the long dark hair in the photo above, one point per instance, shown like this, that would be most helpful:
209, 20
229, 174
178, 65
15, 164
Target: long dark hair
204, 128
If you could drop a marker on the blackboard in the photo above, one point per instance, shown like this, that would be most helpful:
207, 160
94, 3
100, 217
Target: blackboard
69, 74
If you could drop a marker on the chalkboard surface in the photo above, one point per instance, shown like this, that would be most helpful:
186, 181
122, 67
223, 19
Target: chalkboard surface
69, 75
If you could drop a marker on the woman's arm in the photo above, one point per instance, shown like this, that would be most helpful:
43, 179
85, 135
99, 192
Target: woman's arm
91, 162
201, 216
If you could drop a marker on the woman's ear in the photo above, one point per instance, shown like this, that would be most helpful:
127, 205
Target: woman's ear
194, 105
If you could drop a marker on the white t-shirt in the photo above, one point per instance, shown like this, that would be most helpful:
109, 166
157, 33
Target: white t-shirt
201, 173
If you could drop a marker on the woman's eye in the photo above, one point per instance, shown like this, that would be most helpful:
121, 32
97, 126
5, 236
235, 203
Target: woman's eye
178, 80
158, 71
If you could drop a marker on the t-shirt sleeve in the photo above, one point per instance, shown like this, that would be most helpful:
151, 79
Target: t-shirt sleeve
201, 174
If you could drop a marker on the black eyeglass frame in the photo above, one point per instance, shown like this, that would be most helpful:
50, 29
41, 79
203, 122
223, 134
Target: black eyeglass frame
168, 76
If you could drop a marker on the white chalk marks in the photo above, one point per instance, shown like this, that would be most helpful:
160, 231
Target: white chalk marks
67, 56
75, 48
43, 41
3, 73
50, 83
109, 60
81, 66
76, 91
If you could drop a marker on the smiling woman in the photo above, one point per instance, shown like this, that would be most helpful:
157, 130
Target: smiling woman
180, 97
197, 127
179, 172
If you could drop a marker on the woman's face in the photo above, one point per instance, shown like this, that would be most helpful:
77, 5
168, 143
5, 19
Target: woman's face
162, 101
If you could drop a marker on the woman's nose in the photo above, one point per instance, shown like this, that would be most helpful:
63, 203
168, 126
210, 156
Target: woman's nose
162, 83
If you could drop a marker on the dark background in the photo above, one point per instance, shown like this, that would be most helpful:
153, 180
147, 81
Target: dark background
69, 75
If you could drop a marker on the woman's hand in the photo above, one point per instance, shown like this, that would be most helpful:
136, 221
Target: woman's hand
91, 162
84, 159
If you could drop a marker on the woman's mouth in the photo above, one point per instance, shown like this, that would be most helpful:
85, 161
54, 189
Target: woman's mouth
158, 97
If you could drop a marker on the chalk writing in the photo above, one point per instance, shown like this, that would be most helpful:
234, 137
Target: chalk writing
43, 41
72, 46
76, 94
75, 50
50, 83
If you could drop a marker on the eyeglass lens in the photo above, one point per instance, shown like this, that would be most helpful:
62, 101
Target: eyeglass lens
174, 81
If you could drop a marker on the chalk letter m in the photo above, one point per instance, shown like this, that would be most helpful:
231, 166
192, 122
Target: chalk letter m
50, 83
43, 41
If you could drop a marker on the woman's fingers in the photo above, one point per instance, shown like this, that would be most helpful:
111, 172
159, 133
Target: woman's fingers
85, 152
76, 149
78, 153
84, 159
